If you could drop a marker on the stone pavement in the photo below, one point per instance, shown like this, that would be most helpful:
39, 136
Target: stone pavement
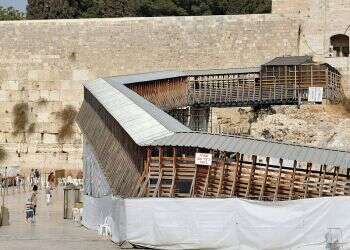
50, 231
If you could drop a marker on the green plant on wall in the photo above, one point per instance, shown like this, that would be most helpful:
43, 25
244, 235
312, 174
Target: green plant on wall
67, 116
2, 154
20, 117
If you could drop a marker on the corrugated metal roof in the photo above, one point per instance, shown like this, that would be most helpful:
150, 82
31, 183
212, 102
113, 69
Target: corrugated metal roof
246, 145
289, 60
142, 120
168, 74
146, 77
223, 71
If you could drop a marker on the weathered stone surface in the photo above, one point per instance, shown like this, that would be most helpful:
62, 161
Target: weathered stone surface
44, 63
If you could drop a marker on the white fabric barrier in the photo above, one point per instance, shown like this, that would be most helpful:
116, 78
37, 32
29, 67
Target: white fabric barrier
227, 223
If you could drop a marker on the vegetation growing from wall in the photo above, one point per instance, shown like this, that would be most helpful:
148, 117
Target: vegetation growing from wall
20, 117
67, 116
10, 14
2, 154
58, 9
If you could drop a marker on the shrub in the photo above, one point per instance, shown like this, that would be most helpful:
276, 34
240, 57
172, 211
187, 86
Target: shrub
2, 154
67, 116
42, 101
31, 128
346, 104
20, 113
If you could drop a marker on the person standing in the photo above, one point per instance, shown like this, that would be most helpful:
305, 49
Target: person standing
34, 198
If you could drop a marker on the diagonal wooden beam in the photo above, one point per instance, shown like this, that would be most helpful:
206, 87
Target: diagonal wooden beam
335, 181
292, 181
157, 191
263, 186
235, 176
306, 180
172, 188
251, 176
321, 182
275, 197
222, 170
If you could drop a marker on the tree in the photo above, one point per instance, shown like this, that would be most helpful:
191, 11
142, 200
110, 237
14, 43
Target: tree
53, 9
10, 14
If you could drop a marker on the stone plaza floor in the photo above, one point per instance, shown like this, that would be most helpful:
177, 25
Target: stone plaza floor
50, 231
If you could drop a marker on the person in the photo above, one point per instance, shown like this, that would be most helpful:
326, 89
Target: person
31, 177
29, 211
51, 179
18, 180
34, 198
48, 195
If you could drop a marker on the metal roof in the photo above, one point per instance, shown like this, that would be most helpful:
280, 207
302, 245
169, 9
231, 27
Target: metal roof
223, 71
146, 77
246, 145
168, 74
289, 60
142, 120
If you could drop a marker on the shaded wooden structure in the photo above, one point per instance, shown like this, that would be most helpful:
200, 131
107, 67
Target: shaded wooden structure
141, 151
289, 78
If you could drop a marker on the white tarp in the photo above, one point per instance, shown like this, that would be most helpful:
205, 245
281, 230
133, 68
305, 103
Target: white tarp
229, 223
315, 94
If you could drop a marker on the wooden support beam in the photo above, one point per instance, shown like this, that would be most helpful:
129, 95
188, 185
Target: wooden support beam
263, 186
144, 185
157, 191
306, 180
205, 189
251, 176
172, 188
222, 170
321, 182
275, 197
292, 181
235, 176
335, 181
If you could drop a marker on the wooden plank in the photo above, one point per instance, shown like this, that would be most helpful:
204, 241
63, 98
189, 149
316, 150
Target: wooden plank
292, 181
172, 188
321, 182
278, 180
251, 175
306, 181
157, 190
263, 186
335, 180
222, 170
235, 175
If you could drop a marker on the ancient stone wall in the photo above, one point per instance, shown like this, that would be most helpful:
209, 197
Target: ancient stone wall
44, 63
319, 21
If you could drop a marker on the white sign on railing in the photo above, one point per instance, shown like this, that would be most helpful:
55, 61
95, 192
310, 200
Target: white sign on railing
204, 159
315, 94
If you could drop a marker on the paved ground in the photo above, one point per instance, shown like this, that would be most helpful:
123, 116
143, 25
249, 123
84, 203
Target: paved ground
50, 231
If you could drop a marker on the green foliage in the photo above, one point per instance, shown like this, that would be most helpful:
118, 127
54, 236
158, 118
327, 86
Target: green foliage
2, 154
51, 9
67, 116
20, 113
10, 14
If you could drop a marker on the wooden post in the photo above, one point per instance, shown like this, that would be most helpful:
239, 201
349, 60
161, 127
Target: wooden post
291, 190
172, 188
278, 180
307, 176
157, 191
335, 181
263, 186
251, 176
235, 176
222, 163
321, 184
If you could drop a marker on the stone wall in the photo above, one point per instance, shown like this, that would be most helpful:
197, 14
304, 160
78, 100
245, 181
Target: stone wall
319, 21
44, 63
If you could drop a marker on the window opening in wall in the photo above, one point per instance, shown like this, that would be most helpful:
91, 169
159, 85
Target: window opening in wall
340, 45
184, 186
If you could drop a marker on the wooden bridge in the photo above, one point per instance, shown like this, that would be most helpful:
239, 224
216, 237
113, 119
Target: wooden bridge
282, 81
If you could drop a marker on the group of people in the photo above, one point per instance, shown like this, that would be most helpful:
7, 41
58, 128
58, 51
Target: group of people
34, 177
31, 204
